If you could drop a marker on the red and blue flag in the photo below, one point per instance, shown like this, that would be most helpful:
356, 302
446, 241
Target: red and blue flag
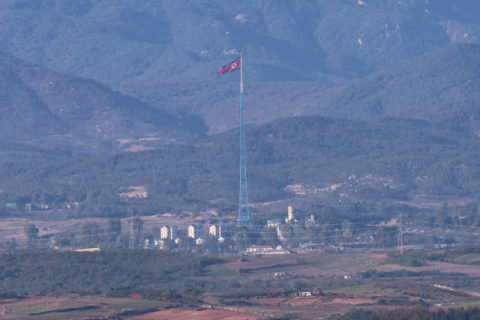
232, 66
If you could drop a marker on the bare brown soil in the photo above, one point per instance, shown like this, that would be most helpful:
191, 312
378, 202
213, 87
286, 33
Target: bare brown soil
313, 301
195, 314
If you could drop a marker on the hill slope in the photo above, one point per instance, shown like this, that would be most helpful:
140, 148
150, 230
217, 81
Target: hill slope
441, 85
43, 108
377, 161
147, 41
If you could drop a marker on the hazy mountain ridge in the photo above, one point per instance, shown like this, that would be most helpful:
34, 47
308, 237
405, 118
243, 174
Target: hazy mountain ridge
441, 85
217, 102
385, 160
45, 108
150, 41
297, 53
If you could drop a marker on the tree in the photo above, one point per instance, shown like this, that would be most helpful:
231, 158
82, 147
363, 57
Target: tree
137, 229
11, 244
31, 231
90, 234
123, 240
287, 231
270, 235
156, 232
114, 228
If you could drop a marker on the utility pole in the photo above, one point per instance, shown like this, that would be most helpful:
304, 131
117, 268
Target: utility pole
400, 235
132, 237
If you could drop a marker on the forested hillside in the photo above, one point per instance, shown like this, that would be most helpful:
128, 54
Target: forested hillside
378, 160
74, 115
441, 85
151, 41
33, 272
167, 54
298, 57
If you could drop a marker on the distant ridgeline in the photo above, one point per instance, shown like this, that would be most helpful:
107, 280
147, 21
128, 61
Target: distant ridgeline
47, 115
443, 85
294, 41
375, 160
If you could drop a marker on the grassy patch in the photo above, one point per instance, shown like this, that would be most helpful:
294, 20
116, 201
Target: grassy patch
474, 257
219, 271
241, 279
237, 302
135, 304
410, 258
366, 288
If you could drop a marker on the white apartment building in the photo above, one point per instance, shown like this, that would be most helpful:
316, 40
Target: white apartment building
216, 230
195, 231
168, 232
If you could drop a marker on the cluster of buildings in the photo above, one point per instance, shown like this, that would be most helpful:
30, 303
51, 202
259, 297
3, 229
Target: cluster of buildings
40, 206
290, 219
195, 233
253, 250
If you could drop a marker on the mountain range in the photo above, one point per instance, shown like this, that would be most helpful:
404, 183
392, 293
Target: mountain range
443, 85
299, 160
125, 42
354, 99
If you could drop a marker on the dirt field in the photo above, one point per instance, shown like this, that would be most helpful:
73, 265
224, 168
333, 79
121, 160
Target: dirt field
71, 306
195, 314
313, 301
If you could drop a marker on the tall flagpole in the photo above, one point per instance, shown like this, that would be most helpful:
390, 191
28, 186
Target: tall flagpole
243, 210
241, 75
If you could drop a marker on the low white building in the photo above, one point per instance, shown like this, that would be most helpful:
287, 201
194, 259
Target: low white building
274, 223
160, 243
310, 221
304, 294
168, 232
277, 224
199, 241
265, 250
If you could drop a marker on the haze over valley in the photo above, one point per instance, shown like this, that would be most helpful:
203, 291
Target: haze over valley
117, 132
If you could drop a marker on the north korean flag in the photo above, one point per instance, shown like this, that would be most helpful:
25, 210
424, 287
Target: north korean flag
232, 66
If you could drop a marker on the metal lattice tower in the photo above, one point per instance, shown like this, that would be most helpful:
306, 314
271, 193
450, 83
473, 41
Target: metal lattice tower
243, 211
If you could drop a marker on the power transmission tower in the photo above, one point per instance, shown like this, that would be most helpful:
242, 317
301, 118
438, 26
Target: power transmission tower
243, 211
400, 235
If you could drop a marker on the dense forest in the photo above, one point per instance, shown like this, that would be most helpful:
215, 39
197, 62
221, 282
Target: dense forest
49, 271
50, 114
423, 314
183, 41
417, 88
371, 161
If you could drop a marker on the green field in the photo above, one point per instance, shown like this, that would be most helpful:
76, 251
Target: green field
366, 288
